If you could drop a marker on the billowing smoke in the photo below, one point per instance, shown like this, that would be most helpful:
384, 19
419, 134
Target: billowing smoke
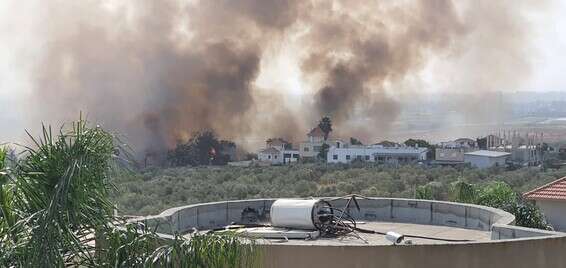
359, 48
157, 71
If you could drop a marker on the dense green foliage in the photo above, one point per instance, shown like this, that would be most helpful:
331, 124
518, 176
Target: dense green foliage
154, 190
54, 202
500, 195
131, 247
417, 142
57, 194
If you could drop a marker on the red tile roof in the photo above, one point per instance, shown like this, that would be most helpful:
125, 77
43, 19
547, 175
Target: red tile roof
316, 132
555, 190
277, 142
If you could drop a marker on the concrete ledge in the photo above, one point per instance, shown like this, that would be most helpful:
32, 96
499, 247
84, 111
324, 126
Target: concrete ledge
502, 232
523, 253
217, 214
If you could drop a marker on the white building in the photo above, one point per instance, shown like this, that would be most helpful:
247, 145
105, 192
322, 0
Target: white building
277, 152
453, 151
376, 153
551, 199
315, 139
486, 159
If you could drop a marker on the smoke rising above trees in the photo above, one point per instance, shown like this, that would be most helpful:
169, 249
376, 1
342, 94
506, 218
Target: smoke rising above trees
158, 71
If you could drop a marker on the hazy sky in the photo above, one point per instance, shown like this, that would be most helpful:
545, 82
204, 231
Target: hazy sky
20, 47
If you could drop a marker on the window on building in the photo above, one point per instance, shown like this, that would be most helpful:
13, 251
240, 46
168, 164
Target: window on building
306, 149
316, 148
381, 158
367, 157
296, 156
287, 156
275, 157
359, 157
269, 157
335, 157
348, 157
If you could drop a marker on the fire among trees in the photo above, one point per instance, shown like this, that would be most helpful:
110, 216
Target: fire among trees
204, 148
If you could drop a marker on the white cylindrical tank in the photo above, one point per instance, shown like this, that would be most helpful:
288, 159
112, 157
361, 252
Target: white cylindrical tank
293, 213
394, 237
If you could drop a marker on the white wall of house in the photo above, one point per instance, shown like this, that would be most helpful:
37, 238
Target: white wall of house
398, 155
555, 212
450, 154
309, 149
279, 157
480, 161
290, 156
273, 158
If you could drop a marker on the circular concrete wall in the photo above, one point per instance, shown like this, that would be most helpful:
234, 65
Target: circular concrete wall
510, 246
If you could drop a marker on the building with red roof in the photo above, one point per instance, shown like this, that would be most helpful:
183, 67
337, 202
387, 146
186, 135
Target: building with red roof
551, 198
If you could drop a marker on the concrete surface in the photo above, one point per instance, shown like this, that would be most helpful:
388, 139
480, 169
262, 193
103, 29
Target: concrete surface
401, 228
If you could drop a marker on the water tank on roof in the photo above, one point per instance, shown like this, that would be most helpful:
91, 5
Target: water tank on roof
295, 213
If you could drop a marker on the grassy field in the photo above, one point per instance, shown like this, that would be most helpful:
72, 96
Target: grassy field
152, 191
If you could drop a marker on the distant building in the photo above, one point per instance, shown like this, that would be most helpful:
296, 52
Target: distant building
315, 139
525, 149
271, 155
453, 151
278, 151
376, 153
460, 143
486, 159
388, 144
551, 199
277, 143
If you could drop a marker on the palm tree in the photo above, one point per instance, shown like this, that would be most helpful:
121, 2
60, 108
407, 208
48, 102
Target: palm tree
56, 199
325, 125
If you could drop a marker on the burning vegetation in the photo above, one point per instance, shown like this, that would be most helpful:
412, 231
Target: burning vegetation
159, 71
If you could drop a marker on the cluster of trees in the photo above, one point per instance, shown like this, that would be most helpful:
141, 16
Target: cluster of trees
55, 200
153, 191
204, 148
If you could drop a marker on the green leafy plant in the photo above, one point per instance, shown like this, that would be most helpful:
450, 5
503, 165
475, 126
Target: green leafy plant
56, 212
501, 195
464, 192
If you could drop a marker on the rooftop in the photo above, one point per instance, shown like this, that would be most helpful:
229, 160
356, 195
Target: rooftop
277, 142
488, 153
555, 190
269, 150
384, 150
316, 132
407, 229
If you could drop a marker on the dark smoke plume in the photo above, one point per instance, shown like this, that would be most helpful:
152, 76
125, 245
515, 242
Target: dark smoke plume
159, 70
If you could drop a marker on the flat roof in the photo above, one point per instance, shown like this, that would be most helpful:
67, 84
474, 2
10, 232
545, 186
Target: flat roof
358, 238
487, 153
